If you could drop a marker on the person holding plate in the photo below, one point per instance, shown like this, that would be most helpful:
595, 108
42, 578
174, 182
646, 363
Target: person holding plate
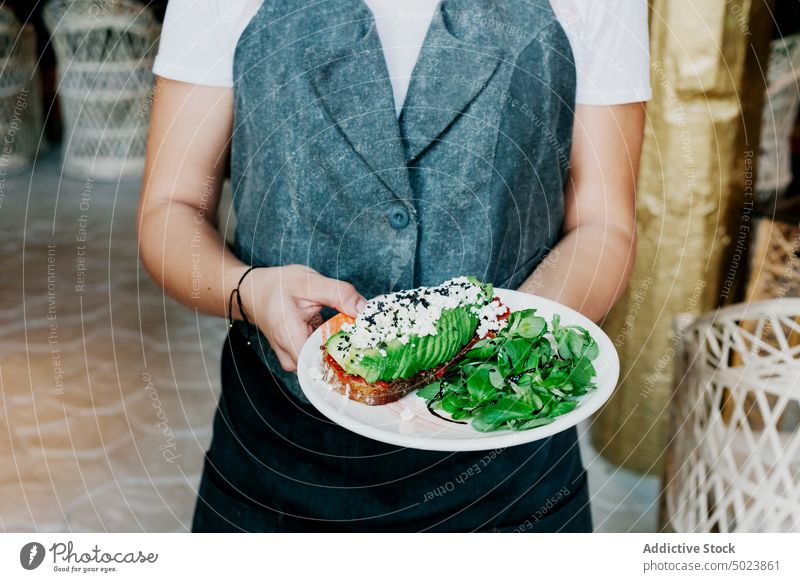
376, 146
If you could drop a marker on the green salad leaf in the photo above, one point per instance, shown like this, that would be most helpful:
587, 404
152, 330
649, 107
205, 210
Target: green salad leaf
524, 377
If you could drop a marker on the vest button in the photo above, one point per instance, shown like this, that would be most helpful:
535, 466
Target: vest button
398, 217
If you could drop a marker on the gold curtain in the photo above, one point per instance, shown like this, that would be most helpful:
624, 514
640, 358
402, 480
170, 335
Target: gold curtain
695, 199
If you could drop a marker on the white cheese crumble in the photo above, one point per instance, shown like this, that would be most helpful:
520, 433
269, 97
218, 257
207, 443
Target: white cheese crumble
415, 312
488, 318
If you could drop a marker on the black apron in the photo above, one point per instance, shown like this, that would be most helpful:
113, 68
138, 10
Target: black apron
275, 464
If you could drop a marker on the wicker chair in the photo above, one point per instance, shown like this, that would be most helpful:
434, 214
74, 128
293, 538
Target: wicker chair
105, 52
20, 101
733, 464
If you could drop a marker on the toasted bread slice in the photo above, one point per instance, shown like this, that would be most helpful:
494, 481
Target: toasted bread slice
379, 393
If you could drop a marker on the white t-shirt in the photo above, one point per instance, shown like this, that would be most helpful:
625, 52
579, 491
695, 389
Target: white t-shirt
609, 40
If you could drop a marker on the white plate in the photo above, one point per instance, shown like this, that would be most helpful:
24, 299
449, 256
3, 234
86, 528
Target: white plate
408, 423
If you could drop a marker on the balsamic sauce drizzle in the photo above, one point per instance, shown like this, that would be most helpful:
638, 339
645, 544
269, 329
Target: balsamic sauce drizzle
439, 396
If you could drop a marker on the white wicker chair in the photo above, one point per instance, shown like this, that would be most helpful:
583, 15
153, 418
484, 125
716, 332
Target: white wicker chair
105, 52
734, 462
20, 100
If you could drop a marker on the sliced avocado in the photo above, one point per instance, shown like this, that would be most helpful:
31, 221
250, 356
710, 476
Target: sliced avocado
405, 354
394, 356
469, 323
423, 350
411, 363
455, 335
392, 359
368, 364
338, 346
436, 349
452, 334
432, 350
446, 327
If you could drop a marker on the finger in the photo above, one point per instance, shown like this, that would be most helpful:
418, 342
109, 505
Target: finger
283, 350
294, 335
340, 295
285, 360
282, 339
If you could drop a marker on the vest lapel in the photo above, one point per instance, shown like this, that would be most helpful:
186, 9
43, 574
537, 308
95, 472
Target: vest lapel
353, 85
448, 76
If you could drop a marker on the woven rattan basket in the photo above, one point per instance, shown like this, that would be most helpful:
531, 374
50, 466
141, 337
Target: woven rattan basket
737, 471
20, 101
775, 258
105, 51
774, 274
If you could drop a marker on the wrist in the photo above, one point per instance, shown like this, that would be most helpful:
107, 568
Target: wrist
238, 292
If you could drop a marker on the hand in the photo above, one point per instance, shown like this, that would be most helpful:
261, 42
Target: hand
284, 302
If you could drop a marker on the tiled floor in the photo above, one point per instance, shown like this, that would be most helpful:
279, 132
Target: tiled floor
107, 387
622, 501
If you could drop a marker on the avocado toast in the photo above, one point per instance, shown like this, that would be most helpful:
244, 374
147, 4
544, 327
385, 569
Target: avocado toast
407, 339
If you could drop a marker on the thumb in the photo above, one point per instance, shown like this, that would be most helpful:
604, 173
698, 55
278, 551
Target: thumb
340, 295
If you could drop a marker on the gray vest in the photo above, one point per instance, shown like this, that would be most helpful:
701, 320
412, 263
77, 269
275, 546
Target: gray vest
468, 181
